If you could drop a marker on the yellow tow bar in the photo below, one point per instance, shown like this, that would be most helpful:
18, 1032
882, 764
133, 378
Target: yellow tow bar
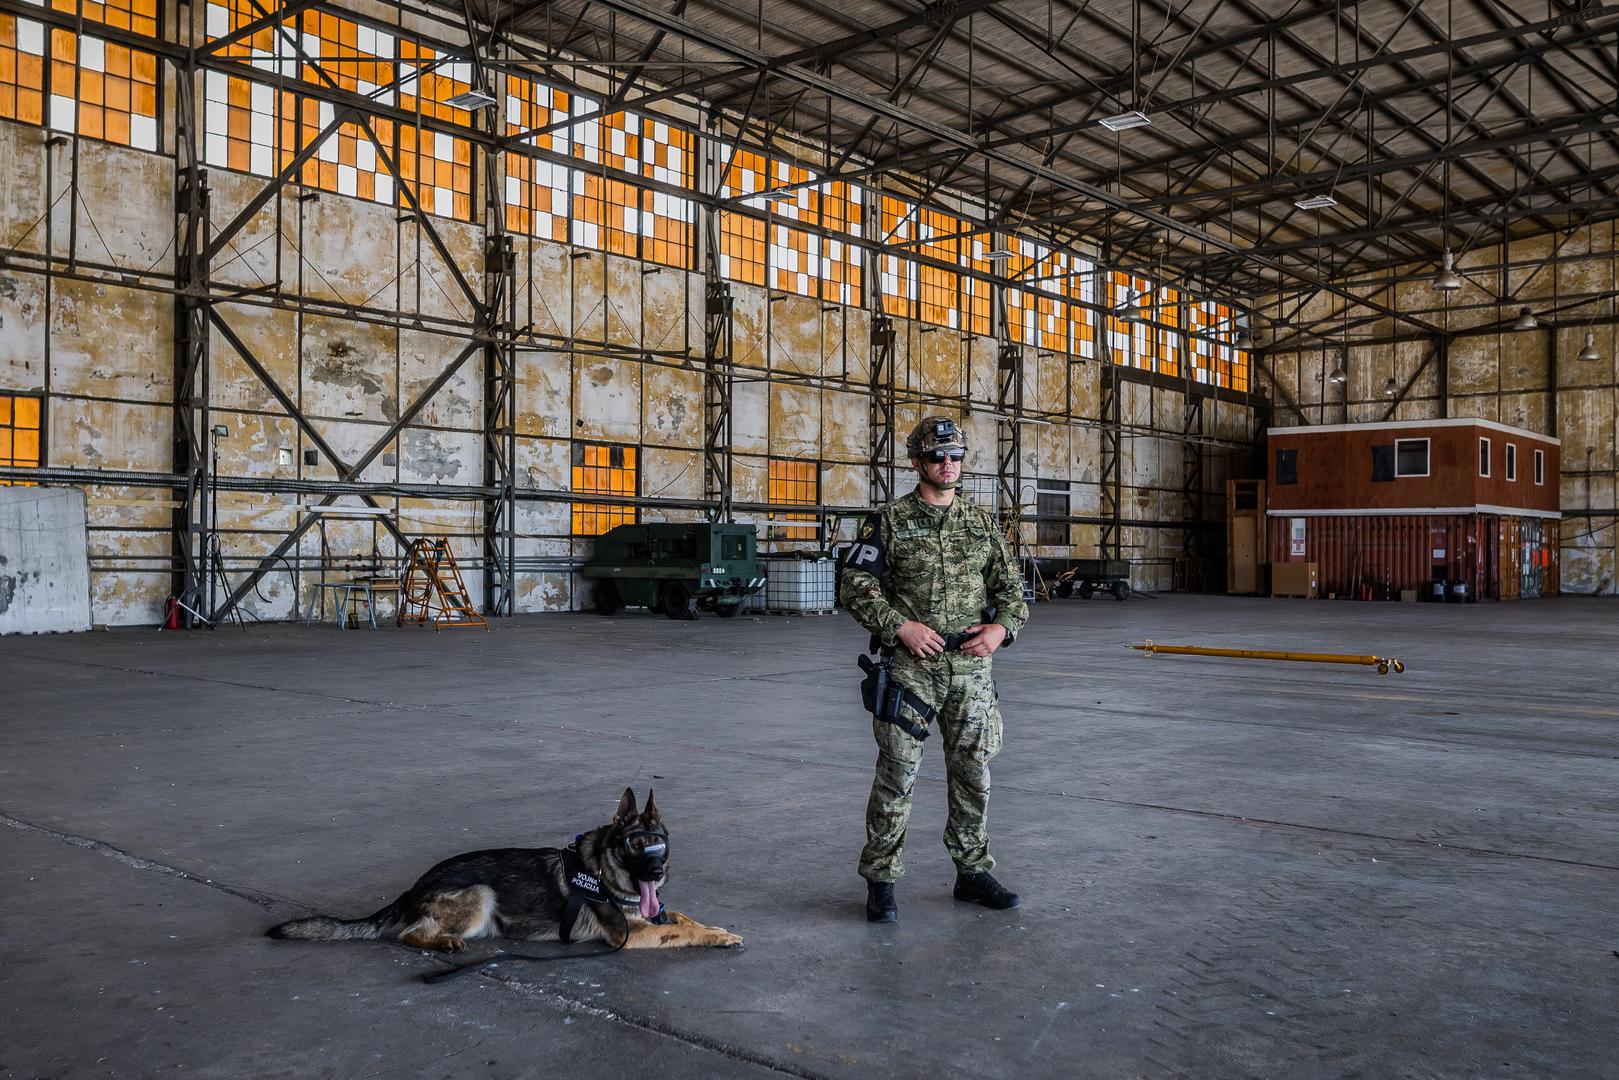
1382, 663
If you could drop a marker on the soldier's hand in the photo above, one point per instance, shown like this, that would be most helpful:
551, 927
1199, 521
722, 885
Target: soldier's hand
920, 638
987, 638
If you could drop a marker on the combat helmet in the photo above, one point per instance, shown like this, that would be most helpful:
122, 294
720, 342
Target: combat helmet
935, 433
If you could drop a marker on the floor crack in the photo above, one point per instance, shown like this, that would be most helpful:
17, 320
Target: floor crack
264, 900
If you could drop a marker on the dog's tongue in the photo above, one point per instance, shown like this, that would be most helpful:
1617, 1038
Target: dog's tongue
649, 900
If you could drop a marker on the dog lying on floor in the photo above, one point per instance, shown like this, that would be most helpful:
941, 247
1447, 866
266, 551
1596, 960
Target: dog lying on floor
603, 887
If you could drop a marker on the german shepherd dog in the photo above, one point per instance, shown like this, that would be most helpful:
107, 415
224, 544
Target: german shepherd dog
524, 893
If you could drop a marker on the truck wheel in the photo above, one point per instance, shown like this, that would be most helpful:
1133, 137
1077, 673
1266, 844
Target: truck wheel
1121, 589
608, 602
1086, 589
727, 611
676, 602
1065, 589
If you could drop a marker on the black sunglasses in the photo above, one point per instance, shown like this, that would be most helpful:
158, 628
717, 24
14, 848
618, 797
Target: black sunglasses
934, 457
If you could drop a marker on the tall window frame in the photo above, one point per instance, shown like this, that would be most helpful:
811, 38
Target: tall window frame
794, 482
601, 468
22, 433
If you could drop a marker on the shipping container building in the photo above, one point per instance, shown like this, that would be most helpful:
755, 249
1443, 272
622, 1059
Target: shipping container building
1461, 509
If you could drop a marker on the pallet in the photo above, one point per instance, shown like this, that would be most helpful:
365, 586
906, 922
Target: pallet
790, 611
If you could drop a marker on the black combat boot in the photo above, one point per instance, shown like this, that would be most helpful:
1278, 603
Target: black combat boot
982, 888
880, 905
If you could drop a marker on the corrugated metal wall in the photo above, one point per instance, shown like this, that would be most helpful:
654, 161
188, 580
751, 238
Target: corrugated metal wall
1377, 556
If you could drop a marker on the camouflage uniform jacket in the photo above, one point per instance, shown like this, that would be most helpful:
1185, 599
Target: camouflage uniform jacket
939, 566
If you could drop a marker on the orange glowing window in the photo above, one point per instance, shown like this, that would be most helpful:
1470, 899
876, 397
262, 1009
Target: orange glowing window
137, 16
241, 128
225, 18
742, 249
103, 90
22, 70
1166, 333
808, 245
437, 168
794, 483
21, 434
600, 469
428, 81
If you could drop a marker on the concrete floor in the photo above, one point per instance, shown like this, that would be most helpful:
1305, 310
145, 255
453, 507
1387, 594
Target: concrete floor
1230, 869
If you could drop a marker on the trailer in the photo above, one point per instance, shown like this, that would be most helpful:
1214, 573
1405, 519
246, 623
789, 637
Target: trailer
677, 569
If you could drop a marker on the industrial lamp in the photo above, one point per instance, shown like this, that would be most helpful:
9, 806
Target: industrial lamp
1391, 388
1447, 280
1338, 375
1131, 312
1526, 320
1589, 353
1244, 340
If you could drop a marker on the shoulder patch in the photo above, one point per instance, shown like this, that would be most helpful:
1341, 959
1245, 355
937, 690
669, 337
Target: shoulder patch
866, 553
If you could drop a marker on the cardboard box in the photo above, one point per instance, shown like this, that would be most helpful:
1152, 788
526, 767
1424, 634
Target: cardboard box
1302, 579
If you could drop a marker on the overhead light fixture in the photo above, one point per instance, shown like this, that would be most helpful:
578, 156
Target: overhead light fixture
1447, 280
998, 253
1244, 340
1131, 311
472, 99
1126, 120
779, 195
1590, 351
1526, 320
1338, 376
1316, 202
1391, 388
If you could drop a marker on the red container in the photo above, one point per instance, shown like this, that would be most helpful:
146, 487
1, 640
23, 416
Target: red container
1378, 556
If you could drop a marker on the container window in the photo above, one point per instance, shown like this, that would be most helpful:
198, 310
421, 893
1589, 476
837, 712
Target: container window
795, 483
1287, 467
600, 469
21, 430
1540, 466
1484, 457
1411, 457
1051, 499
733, 547
1512, 461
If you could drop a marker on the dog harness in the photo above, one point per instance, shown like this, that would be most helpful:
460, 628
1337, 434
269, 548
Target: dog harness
586, 888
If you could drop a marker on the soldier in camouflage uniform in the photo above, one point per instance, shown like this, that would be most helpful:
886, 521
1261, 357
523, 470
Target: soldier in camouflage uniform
926, 565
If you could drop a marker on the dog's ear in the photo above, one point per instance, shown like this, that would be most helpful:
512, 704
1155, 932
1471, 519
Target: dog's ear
626, 806
650, 814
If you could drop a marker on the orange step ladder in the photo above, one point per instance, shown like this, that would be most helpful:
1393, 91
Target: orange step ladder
433, 591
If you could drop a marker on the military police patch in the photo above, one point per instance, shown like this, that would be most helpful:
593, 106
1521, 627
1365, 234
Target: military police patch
866, 553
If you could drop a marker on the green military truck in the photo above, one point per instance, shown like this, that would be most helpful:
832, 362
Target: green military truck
675, 569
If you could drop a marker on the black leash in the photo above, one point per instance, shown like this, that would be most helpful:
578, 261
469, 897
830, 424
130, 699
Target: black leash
475, 965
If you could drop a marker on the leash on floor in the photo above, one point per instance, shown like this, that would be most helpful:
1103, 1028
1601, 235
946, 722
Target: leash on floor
461, 969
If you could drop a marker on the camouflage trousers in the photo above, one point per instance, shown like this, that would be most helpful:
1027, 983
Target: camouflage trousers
968, 722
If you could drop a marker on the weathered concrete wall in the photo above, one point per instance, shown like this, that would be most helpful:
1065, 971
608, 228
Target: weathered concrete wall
44, 561
102, 352
1530, 379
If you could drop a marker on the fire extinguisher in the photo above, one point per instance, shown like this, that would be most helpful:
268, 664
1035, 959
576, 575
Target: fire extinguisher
171, 613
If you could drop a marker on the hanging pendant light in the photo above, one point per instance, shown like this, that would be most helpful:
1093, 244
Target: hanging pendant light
1526, 320
1244, 340
1339, 375
1391, 388
1447, 280
1131, 312
1589, 353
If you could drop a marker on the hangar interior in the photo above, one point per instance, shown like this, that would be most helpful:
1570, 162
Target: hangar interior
287, 286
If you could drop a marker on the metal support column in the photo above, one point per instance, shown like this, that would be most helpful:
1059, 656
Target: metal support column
1111, 544
192, 581
499, 402
719, 341
1009, 439
883, 337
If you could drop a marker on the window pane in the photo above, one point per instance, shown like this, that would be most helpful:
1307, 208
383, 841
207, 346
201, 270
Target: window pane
1411, 457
